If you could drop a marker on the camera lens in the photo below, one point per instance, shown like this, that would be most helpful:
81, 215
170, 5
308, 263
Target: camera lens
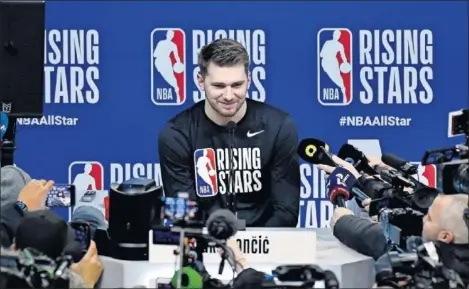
461, 179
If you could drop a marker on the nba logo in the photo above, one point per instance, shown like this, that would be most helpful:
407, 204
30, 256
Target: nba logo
426, 175
205, 173
168, 66
334, 66
86, 176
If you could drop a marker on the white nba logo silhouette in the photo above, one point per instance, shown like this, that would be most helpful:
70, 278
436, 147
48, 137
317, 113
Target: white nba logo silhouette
84, 180
203, 171
162, 61
330, 64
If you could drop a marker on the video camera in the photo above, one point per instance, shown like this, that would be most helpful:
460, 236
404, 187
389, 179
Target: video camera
420, 269
31, 269
453, 162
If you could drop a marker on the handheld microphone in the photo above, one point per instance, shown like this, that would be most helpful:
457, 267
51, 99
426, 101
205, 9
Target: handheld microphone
221, 225
357, 158
399, 164
315, 151
338, 186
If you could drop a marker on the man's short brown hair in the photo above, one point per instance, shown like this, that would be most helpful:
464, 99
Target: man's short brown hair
223, 53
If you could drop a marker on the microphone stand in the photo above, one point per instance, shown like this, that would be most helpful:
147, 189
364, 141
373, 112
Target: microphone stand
232, 202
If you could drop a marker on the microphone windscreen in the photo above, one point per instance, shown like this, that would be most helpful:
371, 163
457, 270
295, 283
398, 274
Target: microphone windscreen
350, 154
309, 151
339, 182
221, 224
231, 125
393, 161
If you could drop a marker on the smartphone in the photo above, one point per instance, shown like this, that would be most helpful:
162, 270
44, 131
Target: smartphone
61, 196
82, 233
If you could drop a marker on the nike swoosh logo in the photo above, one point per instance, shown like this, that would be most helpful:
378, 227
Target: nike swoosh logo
249, 134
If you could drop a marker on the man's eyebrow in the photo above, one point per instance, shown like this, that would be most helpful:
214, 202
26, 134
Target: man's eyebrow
222, 83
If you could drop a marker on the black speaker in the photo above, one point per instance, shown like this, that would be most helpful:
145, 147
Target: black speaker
133, 206
22, 32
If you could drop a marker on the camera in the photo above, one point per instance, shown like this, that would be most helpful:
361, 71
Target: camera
453, 162
419, 269
31, 269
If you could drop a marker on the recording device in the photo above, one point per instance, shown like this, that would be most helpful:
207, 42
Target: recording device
30, 269
420, 269
315, 151
61, 196
404, 190
306, 274
408, 221
338, 185
357, 158
453, 162
221, 225
187, 233
82, 233
134, 206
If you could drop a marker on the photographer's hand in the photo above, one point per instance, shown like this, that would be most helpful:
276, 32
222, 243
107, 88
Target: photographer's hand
240, 261
89, 267
34, 194
340, 162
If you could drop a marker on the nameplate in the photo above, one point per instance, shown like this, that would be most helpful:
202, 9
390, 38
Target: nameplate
260, 246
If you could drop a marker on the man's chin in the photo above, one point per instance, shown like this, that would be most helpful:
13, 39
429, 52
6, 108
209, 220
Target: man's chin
227, 113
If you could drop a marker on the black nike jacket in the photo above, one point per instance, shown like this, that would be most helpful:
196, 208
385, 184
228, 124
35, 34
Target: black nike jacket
195, 158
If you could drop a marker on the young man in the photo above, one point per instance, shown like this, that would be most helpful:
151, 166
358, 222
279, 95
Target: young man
194, 147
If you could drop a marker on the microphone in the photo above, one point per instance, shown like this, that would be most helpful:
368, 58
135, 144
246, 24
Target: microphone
221, 225
399, 164
357, 158
315, 152
231, 197
338, 186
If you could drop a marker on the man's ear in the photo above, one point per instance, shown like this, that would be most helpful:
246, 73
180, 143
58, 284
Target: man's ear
249, 79
200, 82
446, 237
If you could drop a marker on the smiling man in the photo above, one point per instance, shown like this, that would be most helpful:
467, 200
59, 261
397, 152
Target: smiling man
229, 144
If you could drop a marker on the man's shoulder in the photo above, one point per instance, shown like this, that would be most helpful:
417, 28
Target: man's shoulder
183, 120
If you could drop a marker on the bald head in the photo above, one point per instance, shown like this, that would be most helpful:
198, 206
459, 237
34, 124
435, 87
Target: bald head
451, 216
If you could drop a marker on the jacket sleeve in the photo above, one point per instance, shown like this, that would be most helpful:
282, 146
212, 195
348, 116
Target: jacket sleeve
10, 220
285, 176
361, 235
175, 162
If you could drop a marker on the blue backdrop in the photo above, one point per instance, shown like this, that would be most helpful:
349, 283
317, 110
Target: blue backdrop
408, 60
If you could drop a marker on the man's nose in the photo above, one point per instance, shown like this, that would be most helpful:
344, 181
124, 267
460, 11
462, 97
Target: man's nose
228, 95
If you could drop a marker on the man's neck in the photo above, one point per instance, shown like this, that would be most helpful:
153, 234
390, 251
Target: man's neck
220, 120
